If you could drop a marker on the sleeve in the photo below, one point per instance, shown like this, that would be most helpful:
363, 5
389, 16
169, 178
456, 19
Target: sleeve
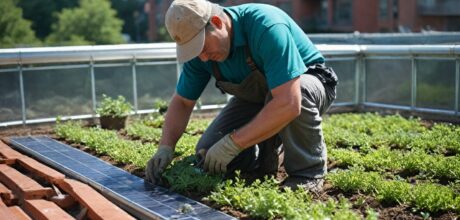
280, 55
193, 80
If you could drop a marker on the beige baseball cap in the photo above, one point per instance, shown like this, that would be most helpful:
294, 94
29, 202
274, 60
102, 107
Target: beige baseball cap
186, 21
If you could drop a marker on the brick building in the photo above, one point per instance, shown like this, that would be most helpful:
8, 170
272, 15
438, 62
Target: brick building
346, 15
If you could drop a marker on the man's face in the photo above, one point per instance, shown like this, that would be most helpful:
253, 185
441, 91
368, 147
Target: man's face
216, 45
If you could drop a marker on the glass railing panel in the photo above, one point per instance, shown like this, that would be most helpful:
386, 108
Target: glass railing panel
388, 81
10, 98
346, 72
436, 84
57, 92
114, 81
153, 82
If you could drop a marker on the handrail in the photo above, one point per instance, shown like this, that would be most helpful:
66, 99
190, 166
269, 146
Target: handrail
86, 53
42, 55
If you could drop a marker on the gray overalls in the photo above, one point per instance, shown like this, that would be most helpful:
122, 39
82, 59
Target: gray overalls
305, 151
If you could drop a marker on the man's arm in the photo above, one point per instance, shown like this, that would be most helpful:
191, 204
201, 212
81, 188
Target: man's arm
276, 114
176, 120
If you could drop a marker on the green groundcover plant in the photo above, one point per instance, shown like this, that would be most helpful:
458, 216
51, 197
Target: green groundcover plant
430, 197
264, 199
114, 107
370, 152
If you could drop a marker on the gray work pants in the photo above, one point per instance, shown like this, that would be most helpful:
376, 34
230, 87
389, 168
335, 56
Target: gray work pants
305, 152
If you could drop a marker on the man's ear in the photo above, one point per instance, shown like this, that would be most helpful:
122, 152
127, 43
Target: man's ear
216, 21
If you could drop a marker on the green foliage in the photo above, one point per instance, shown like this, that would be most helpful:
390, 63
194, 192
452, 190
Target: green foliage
393, 192
434, 198
41, 13
134, 17
154, 120
365, 131
186, 145
114, 107
383, 145
93, 22
183, 177
415, 161
427, 196
107, 142
138, 130
197, 126
15, 31
145, 133
263, 199
355, 180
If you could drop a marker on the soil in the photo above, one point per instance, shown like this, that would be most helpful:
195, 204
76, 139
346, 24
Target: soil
361, 202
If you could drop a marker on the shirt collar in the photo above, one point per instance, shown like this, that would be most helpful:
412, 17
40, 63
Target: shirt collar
238, 34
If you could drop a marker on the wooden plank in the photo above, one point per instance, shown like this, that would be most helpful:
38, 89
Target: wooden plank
45, 172
22, 185
98, 206
19, 213
41, 209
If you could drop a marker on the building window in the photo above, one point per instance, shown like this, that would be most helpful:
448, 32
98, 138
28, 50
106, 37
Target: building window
395, 9
323, 21
342, 12
383, 9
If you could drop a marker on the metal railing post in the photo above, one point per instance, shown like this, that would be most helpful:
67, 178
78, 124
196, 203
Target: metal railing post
413, 94
21, 90
359, 85
93, 86
457, 85
133, 68
360, 78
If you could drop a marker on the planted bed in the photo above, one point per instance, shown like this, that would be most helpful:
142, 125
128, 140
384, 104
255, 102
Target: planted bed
379, 167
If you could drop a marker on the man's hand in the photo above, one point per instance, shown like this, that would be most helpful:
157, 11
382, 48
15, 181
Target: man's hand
158, 163
220, 155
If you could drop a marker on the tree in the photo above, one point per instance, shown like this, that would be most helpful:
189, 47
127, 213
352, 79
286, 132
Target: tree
93, 22
134, 17
42, 13
14, 29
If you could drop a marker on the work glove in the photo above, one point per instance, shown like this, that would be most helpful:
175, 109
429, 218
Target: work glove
220, 155
157, 164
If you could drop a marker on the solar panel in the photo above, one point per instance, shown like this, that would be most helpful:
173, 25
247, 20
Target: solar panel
132, 193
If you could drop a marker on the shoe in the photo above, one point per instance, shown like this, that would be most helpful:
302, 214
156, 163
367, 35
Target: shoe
309, 184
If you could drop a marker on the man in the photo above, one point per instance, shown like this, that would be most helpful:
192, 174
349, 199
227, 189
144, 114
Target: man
278, 80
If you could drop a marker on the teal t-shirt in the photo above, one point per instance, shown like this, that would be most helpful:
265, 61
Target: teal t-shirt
279, 47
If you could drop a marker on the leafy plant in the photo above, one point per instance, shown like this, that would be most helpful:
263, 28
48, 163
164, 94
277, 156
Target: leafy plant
183, 177
197, 126
264, 199
154, 120
354, 180
186, 145
426, 196
114, 107
107, 142
145, 133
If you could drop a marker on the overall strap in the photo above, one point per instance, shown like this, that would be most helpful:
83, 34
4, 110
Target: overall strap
216, 71
249, 60
218, 75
